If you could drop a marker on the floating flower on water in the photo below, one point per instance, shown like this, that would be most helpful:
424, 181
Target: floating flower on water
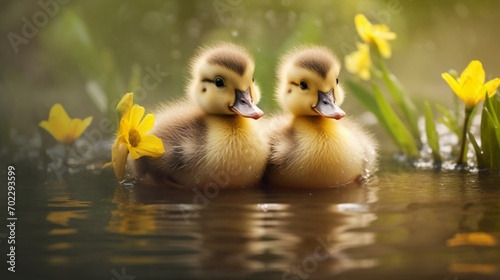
62, 128
133, 137
359, 62
470, 87
472, 239
377, 34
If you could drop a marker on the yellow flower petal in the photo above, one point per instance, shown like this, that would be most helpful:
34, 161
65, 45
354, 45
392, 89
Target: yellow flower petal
480, 94
120, 160
383, 32
58, 116
452, 83
72, 131
119, 153
124, 130
135, 117
149, 145
474, 70
469, 90
76, 128
146, 124
125, 104
85, 123
492, 86
383, 47
47, 126
362, 24
59, 122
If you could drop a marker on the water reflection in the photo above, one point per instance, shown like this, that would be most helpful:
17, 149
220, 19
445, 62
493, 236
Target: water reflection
246, 230
64, 210
448, 223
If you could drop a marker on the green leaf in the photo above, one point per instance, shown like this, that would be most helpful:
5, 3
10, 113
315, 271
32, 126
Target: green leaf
481, 159
490, 135
368, 100
449, 120
365, 97
432, 135
494, 124
494, 141
495, 102
491, 110
395, 126
402, 100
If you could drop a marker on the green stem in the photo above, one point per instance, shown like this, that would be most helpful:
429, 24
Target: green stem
462, 156
67, 147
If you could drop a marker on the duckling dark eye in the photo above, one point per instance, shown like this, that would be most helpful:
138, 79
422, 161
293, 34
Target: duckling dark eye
303, 85
337, 81
253, 80
219, 82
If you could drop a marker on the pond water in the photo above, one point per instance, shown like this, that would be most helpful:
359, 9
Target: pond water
402, 224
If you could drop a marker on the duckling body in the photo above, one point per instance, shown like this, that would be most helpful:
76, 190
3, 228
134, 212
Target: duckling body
312, 145
212, 138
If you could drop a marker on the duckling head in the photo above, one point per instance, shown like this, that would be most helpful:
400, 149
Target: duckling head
222, 82
308, 83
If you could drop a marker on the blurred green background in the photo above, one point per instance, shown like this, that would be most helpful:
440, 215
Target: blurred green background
86, 54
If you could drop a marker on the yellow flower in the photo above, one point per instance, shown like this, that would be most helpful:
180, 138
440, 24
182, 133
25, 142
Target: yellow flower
61, 127
133, 138
125, 104
133, 131
359, 62
377, 34
470, 87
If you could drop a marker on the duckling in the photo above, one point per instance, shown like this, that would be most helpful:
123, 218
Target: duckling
312, 145
212, 138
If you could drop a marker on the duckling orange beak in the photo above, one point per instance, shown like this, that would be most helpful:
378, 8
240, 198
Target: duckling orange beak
244, 106
327, 107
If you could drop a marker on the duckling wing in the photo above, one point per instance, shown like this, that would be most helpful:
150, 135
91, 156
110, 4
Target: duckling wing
182, 129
